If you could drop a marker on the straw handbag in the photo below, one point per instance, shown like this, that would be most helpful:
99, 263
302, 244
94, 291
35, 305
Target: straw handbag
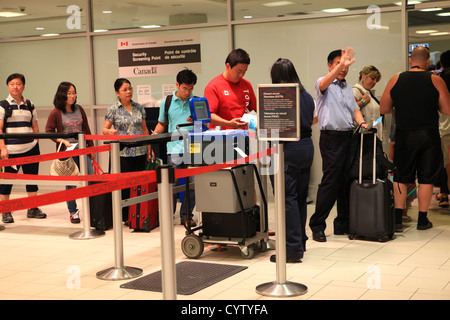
66, 167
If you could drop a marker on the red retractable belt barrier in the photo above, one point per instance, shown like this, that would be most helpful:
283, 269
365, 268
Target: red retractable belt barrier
113, 182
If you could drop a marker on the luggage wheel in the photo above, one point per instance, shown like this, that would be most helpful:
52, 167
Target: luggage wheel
247, 252
192, 246
262, 245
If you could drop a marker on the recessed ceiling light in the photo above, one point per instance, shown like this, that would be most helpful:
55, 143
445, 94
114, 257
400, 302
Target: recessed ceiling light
40, 28
277, 4
425, 31
409, 2
151, 26
248, 17
439, 33
107, 11
50, 34
335, 10
100, 30
8, 14
443, 14
431, 9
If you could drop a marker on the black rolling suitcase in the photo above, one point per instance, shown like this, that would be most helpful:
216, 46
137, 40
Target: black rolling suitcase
100, 206
101, 210
371, 205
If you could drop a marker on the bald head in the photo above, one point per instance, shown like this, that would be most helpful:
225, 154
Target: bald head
420, 56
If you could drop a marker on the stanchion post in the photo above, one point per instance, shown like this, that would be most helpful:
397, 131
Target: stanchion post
119, 271
166, 177
281, 287
87, 232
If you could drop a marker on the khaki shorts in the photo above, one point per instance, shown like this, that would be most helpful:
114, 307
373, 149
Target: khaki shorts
445, 144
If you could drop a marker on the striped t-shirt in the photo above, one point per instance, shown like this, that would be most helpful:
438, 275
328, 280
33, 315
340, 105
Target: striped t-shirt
20, 122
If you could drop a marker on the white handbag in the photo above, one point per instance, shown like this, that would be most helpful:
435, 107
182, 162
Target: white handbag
66, 167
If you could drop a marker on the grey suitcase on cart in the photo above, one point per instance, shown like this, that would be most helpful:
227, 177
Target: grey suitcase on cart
371, 205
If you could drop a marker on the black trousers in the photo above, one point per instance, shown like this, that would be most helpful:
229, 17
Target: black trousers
334, 149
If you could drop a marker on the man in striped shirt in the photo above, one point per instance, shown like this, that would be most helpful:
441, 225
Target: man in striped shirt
18, 115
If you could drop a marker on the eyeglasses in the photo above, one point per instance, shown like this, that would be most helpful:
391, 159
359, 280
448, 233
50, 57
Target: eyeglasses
127, 89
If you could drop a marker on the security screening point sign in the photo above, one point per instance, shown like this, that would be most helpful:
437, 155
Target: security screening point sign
278, 112
156, 56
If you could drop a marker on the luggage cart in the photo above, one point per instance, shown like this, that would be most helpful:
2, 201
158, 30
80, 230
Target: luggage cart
194, 242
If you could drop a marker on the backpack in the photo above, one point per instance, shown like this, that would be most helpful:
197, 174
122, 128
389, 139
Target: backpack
8, 110
166, 110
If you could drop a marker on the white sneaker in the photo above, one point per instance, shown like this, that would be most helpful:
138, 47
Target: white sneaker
75, 216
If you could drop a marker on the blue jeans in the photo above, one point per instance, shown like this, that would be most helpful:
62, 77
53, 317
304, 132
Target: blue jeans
191, 192
298, 158
72, 205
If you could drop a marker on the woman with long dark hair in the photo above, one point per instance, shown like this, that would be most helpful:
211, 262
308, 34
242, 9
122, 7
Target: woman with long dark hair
69, 117
298, 158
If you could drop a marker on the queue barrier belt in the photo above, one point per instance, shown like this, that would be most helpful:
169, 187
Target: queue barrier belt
116, 181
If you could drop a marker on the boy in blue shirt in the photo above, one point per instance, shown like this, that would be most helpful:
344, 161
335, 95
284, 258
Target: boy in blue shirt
178, 113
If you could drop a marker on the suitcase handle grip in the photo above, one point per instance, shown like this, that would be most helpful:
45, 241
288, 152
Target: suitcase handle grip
374, 164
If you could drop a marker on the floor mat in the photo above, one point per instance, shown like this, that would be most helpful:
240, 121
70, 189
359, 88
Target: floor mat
191, 277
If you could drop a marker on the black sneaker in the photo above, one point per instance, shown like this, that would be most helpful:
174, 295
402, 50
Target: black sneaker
7, 218
273, 258
425, 226
36, 213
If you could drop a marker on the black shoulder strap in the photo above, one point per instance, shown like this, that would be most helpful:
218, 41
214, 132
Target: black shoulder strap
30, 107
8, 111
167, 106
4, 103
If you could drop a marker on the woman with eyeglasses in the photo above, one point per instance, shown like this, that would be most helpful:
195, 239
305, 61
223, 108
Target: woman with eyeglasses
127, 117
68, 117
365, 98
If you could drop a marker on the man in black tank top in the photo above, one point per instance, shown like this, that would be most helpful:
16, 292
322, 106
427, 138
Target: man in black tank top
416, 95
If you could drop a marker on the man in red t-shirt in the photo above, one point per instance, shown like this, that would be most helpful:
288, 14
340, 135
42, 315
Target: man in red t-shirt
229, 94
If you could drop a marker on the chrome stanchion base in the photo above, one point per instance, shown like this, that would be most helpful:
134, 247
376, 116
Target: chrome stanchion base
124, 273
288, 289
271, 244
83, 235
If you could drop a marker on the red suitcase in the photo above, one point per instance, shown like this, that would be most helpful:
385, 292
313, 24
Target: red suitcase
143, 216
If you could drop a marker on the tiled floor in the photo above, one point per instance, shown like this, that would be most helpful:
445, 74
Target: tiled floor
38, 260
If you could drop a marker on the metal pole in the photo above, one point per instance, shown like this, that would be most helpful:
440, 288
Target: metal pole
87, 232
281, 287
119, 271
165, 195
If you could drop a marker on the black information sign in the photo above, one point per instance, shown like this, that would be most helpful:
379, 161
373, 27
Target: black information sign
278, 112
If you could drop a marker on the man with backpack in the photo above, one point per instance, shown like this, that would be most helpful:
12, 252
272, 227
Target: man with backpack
175, 110
18, 115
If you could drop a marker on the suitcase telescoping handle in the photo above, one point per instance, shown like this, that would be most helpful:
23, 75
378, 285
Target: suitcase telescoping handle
374, 173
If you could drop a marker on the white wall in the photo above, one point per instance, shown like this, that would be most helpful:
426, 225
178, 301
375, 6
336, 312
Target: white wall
306, 42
